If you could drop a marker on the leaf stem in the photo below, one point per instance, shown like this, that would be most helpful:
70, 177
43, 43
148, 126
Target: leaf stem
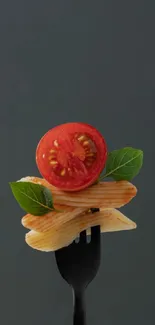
104, 176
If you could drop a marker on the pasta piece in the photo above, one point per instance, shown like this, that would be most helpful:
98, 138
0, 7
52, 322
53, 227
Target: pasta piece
52, 219
105, 194
109, 219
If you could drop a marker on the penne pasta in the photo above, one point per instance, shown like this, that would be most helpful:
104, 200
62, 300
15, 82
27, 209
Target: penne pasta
52, 219
105, 194
109, 219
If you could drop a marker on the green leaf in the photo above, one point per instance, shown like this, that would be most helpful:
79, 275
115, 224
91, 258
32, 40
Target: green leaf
124, 164
33, 198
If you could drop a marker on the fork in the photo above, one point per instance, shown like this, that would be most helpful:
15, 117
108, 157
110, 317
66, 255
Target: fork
78, 264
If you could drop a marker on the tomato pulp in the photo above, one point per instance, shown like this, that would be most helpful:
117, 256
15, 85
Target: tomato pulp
71, 156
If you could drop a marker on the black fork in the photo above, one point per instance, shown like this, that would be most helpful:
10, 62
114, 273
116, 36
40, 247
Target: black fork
78, 265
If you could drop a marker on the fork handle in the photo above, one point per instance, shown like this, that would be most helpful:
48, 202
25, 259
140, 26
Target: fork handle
79, 317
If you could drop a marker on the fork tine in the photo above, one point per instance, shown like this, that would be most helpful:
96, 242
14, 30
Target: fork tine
95, 234
83, 237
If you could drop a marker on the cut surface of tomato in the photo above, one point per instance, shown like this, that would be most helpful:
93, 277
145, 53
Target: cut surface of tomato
71, 156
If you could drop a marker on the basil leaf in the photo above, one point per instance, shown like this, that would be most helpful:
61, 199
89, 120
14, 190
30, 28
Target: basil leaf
33, 198
124, 164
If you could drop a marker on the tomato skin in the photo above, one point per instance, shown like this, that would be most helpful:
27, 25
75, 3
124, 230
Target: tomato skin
71, 156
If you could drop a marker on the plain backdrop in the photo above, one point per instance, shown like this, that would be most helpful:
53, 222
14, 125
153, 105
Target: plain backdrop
90, 61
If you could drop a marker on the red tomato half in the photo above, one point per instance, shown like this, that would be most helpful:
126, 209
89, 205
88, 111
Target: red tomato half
71, 156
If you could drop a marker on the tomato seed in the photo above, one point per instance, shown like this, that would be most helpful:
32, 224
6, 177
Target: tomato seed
52, 151
53, 162
85, 143
56, 144
63, 172
82, 137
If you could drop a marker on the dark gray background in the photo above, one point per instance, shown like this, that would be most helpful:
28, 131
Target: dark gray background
91, 61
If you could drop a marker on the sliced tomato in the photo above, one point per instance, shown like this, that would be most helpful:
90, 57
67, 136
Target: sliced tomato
71, 156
